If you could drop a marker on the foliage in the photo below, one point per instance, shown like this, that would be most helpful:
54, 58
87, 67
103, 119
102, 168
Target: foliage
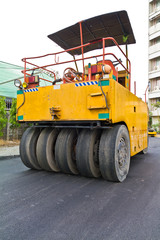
150, 120
156, 127
3, 115
157, 107
12, 120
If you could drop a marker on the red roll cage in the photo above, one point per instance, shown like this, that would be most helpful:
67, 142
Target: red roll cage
96, 39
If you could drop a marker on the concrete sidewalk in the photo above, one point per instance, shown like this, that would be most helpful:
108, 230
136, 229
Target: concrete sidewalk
12, 151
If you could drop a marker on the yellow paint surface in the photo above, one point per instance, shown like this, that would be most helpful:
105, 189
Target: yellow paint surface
67, 102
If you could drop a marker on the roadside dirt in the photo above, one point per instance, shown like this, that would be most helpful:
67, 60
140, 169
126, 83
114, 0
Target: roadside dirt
9, 143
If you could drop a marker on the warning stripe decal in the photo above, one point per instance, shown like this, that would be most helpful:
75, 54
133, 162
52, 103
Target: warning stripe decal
31, 90
86, 84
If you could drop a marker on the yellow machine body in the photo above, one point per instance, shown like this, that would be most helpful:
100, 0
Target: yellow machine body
85, 102
86, 121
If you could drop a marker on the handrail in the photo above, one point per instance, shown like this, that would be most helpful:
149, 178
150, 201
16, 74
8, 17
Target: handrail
50, 54
37, 67
103, 40
46, 55
80, 59
115, 42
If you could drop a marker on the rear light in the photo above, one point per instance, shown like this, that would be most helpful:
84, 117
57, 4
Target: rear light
31, 81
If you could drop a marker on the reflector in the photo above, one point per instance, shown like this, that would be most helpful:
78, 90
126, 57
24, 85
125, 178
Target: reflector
32, 79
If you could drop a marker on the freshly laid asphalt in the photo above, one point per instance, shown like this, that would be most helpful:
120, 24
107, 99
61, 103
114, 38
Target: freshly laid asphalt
38, 205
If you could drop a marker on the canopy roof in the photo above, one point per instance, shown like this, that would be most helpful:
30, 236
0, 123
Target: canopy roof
116, 25
8, 73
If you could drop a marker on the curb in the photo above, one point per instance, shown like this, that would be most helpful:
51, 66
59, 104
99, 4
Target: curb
9, 157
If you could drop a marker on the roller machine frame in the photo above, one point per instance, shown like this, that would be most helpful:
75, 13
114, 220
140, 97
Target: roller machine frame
87, 121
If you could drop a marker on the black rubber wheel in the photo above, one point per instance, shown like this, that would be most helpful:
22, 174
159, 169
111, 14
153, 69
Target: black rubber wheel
114, 153
65, 151
28, 148
87, 153
22, 149
46, 149
144, 151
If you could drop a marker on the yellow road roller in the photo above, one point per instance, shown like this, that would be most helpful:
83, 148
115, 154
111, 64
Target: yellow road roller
85, 119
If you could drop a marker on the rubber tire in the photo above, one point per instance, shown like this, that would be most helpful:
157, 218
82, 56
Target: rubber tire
64, 151
85, 153
46, 149
144, 151
22, 149
108, 153
28, 148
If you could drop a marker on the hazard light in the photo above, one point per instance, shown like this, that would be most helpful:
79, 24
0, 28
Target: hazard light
25, 85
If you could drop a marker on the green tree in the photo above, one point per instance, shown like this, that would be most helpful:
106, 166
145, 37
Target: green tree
150, 120
13, 122
3, 115
157, 107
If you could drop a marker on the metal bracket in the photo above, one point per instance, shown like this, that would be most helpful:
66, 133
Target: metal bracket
54, 111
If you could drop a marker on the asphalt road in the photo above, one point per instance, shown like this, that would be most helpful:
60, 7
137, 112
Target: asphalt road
46, 206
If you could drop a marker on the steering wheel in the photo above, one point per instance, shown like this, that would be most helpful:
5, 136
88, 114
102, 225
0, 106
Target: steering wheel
70, 76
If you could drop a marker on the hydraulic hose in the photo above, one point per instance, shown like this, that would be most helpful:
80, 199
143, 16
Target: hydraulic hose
23, 101
103, 93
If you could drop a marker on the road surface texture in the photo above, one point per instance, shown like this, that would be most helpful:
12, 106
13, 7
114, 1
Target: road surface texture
38, 205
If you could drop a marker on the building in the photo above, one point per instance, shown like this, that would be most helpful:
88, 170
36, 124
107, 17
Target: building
154, 58
8, 73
